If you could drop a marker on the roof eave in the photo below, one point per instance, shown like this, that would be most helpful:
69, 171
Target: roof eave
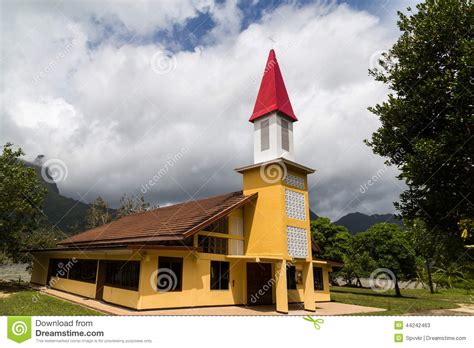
126, 240
286, 162
266, 112
76, 248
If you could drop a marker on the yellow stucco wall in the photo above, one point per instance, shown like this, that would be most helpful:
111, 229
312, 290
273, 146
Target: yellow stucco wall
324, 295
297, 295
74, 286
264, 219
266, 222
195, 287
39, 271
122, 297
195, 283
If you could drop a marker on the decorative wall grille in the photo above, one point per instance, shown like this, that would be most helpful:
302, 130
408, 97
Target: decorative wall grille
295, 205
297, 242
294, 181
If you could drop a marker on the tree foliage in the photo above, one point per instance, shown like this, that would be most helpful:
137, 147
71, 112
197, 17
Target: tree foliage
21, 198
388, 246
43, 237
427, 122
131, 205
98, 214
450, 275
331, 242
357, 265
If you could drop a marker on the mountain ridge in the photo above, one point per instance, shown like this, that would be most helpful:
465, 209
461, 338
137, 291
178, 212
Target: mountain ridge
358, 222
69, 214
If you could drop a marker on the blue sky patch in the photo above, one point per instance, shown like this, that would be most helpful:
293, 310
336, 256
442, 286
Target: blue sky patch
194, 32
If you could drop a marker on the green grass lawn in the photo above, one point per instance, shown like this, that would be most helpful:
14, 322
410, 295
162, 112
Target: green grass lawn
18, 300
413, 301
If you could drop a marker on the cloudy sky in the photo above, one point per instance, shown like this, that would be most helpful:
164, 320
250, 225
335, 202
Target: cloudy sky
122, 92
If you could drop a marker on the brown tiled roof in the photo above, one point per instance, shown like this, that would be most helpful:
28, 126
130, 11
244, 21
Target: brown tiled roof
174, 222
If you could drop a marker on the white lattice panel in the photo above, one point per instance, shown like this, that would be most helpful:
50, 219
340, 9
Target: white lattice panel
294, 181
295, 205
297, 242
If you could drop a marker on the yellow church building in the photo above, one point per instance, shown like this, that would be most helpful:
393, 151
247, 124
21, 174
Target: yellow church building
249, 247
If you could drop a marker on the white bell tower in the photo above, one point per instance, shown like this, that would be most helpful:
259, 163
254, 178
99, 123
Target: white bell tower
272, 138
273, 116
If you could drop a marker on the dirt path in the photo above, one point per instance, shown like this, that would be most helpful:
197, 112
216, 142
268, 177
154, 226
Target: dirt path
464, 309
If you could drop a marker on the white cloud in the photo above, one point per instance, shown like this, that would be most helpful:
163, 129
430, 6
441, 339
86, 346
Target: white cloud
115, 122
45, 113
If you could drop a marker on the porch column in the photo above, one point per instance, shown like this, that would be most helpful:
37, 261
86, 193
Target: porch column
309, 299
281, 292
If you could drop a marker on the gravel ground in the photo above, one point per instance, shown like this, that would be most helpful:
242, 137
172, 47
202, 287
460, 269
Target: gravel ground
15, 272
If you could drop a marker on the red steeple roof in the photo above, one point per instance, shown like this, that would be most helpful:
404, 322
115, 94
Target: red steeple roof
272, 95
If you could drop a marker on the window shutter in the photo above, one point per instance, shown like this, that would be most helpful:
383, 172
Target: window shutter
285, 137
265, 135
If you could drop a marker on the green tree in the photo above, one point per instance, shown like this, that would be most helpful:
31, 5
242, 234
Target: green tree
433, 249
21, 199
357, 265
131, 205
43, 237
450, 275
98, 214
329, 241
427, 121
389, 246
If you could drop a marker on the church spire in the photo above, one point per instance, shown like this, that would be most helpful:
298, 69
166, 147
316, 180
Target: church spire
272, 117
272, 95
